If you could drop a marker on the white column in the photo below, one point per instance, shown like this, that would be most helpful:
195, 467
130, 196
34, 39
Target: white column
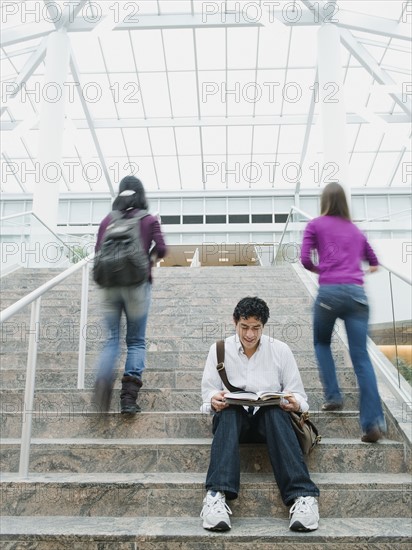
332, 105
51, 128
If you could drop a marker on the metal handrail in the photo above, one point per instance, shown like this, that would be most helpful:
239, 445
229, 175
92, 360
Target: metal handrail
34, 298
31, 213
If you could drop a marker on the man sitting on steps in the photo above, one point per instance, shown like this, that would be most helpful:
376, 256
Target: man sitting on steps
256, 362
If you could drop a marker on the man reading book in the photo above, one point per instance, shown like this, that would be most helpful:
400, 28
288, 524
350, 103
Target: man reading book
254, 362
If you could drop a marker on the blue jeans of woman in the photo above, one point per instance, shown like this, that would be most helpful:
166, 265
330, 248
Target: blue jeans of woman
270, 425
349, 303
135, 302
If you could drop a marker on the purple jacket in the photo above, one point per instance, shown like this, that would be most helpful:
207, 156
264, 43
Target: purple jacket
149, 230
341, 248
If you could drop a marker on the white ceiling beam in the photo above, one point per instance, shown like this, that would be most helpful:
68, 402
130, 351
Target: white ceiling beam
359, 52
82, 124
89, 122
30, 66
372, 66
142, 22
346, 19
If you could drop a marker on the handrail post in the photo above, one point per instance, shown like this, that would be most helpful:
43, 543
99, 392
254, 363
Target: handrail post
83, 326
29, 390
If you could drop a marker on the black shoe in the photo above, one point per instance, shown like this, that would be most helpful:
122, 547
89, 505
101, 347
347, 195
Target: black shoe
128, 394
131, 409
332, 406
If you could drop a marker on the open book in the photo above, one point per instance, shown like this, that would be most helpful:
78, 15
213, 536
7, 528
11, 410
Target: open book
257, 399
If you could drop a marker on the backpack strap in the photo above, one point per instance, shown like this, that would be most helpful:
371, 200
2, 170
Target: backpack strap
220, 352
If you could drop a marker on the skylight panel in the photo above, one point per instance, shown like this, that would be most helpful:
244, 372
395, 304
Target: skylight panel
145, 172
297, 91
304, 47
191, 173
175, 6
148, 51
213, 93
184, 94
168, 173
397, 136
382, 169
215, 171
155, 94
137, 141
267, 92
118, 57
239, 140
179, 49
380, 100
188, 141
214, 140
163, 142
356, 89
235, 174
390, 9
273, 45
359, 167
261, 171
291, 138
240, 93
369, 137
241, 48
211, 49
111, 142
98, 96
87, 53
126, 94
287, 172
84, 143
264, 140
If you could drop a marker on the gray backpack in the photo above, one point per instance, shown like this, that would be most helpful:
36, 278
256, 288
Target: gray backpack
122, 259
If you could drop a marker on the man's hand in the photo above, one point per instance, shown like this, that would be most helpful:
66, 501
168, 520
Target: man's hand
290, 403
218, 401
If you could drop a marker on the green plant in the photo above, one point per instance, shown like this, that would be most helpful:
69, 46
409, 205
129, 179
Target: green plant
404, 368
76, 254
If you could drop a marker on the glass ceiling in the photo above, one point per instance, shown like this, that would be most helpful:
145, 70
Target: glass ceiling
205, 96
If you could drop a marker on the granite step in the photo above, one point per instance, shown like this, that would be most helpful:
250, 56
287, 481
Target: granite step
179, 424
53, 360
186, 533
169, 494
192, 455
298, 338
166, 377
55, 401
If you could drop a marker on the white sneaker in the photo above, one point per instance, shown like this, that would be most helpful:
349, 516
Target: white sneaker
304, 514
215, 512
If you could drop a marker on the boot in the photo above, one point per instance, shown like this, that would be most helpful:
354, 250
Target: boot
128, 395
103, 394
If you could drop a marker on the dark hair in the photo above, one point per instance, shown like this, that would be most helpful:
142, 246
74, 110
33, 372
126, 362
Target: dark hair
136, 200
251, 307
333, 201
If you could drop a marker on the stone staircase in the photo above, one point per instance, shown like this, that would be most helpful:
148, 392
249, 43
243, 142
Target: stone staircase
105, 482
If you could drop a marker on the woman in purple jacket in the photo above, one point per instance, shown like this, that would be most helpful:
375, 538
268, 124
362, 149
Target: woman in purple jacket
341, 247
133, 300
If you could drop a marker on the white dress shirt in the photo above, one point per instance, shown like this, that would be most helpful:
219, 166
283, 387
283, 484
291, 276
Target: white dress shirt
271, 368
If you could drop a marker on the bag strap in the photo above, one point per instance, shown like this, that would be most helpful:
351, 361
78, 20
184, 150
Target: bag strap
220, 352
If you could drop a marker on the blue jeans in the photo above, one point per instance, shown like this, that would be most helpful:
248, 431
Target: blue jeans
135, 302
349, 303
270, 425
